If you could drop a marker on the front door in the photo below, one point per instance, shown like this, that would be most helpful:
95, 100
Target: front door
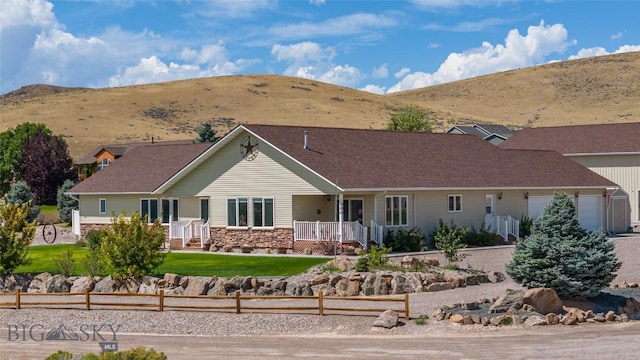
490, 212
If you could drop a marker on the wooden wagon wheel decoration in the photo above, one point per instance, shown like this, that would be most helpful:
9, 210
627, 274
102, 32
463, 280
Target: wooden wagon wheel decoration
49, 233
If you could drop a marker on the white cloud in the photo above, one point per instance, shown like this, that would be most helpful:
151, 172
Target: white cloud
33, 13
374, 89
470, 26
450, 4
599, 51
360, 23
518, 51
309, 60
380, 72
402, 72
235, 9
434, 45
317, 2
616, 36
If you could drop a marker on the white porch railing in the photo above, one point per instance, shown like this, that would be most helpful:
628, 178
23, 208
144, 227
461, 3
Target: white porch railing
377, 233
506, 225
328, 231
190, 229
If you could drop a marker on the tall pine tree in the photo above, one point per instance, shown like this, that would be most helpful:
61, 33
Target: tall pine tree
561, 255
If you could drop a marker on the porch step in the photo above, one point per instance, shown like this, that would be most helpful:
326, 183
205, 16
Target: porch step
194, 245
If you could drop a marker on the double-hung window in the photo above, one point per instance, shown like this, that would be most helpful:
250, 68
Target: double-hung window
396, 210
149, 209
455, 203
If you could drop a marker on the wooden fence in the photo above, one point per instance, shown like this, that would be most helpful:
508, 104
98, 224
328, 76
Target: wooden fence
161, 302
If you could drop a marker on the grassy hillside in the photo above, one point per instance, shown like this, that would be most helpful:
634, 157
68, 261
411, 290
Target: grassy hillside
596, 90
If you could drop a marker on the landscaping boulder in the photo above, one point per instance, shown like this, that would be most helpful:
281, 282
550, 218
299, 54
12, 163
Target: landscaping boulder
387, 320
149, 285
9, 283
82, 283
107, 285
535, 320
552, 319
299, 289
543, 300
171, 280
495, 276
399, 285
439, 286
512, 299
58, 284
319, 279
430, 262
197, 286
39, 283
342, 263
218, 289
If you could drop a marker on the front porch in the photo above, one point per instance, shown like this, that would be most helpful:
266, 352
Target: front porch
189, 234
329, 237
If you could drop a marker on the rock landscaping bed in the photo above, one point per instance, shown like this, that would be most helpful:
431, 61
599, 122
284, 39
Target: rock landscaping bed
542, 306
336, 278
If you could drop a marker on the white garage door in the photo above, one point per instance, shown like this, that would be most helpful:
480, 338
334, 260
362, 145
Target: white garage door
589, 213
537, 204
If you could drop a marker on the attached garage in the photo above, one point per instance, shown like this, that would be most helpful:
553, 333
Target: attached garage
590, 211
536, 205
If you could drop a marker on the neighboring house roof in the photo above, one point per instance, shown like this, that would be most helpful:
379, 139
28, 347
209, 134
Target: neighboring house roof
483, 131
120, 149
359, 160
376, 159
579, 139
142, 169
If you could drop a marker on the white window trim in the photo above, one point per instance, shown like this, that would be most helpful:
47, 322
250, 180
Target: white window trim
400, 203
250, 211
100, 202
454, 196
270, 227
103, 163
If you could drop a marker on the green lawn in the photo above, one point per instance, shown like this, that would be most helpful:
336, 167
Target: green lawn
197, 264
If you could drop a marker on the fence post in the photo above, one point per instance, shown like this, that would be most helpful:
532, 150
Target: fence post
17, 298
161, 301
406, 306
237, 301
320, 304
87, 299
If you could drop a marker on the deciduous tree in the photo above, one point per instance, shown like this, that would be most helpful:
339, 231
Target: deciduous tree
11, 142
410, 118
16, 234
131, 248
45, 165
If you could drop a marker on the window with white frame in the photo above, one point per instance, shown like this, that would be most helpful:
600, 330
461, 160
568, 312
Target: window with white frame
396, 210
103, 163
262, 212
260, 208
237, 212
169, 206
455, 203
149, 208
102, 206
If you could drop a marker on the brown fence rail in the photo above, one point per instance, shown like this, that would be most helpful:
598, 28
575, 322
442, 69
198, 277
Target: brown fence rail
162, 302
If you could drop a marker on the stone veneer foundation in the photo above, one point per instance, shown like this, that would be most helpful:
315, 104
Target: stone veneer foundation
252, 238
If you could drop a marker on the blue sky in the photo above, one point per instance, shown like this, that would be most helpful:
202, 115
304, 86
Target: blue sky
377, 46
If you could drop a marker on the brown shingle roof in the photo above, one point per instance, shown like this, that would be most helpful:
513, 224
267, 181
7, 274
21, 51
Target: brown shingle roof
583, 139
121, 148
376, 159
142, 169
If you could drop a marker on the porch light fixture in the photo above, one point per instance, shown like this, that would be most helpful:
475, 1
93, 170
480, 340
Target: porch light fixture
526, 195
577, 193
604, 193
328, 198
500, 196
